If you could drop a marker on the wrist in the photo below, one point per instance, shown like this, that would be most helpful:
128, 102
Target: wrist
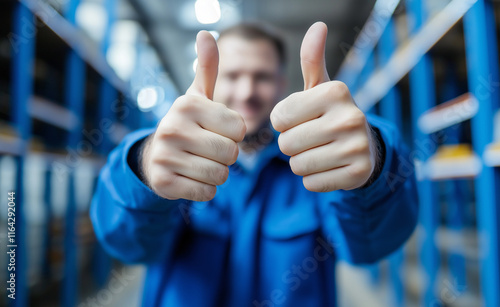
137, 158
378, 148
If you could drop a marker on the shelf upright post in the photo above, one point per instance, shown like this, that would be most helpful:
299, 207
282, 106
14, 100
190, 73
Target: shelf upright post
422, 91
482, 69
390, 108
47, 238
390, 105
108, 96
74, 99
365, 73
22, 41
368, 68
456, 190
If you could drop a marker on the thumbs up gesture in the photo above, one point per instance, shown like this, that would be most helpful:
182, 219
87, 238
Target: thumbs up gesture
327, 136
189, 154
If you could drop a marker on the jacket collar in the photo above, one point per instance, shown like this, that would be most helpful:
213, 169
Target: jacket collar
266, 154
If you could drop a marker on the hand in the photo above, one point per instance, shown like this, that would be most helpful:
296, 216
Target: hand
189, 154
322, 129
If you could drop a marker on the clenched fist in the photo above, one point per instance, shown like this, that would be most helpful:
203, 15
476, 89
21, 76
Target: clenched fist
189, 154
328, 138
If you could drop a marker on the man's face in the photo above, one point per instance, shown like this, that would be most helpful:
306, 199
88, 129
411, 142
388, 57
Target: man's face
250, 80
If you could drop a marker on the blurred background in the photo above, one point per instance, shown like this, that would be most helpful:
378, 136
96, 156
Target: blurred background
77, 75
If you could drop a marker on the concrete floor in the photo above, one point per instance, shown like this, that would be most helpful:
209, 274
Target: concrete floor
354, 288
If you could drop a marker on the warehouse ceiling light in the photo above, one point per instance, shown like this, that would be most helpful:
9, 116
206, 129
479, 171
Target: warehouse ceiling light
121, 57
147, 98
207, 11
122, 53
92, 18
195, 64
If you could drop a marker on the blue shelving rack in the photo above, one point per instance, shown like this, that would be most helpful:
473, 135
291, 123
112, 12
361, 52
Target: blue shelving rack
84, 62
482, 65
411, 57
373, 76
22, 67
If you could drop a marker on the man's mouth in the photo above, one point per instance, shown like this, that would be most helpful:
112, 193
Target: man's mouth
249, 111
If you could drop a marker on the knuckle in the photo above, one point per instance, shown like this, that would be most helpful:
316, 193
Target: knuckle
278, 118
361, 147
295, 96
192, 193
297, 166
339, 89
220, 175
206, 193
183, 102
239, 126
169, 131
284, 144
275, 120
361, 169
315, 186
160, 183
232, 153
186, 104
218, 146
355, 120
198, 192
330, 128
231, 119
358, 117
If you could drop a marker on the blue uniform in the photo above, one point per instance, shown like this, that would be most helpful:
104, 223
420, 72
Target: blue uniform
264, 240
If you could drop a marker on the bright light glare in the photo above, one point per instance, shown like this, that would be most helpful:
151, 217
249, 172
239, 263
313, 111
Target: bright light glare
92, 18
147, 98
125, 31
207, 11
121, 54
195, 64
121, 57
215, 34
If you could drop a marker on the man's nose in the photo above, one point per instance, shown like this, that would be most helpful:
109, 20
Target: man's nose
245, 88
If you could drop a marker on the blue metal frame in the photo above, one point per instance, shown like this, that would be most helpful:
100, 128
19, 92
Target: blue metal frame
482, 66
22, 87
365, 73
423, 98
390, 108
74, 100
390, 105
47, 240
456, 191
107, 96
358, 56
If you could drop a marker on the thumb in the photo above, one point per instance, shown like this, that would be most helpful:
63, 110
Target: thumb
312, 56
208, 63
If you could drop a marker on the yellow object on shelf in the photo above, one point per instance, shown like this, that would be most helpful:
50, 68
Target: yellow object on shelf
10, 143
453, 161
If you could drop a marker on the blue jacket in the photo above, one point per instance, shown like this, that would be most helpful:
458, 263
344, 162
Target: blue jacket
264, 240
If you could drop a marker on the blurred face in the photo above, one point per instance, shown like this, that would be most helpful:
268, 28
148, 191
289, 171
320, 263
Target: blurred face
250, 80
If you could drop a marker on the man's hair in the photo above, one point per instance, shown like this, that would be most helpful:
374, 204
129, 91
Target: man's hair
255, 31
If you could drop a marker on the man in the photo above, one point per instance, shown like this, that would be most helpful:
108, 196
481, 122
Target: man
226, 212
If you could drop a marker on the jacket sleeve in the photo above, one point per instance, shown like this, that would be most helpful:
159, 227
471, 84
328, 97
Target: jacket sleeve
367, 224
132, 223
